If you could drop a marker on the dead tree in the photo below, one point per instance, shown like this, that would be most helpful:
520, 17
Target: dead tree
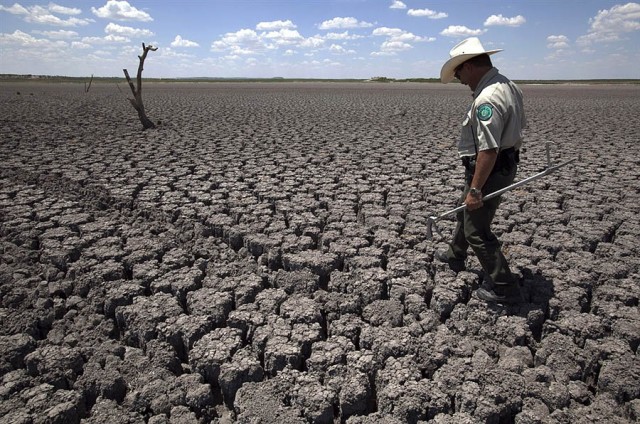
136, 102
88, 87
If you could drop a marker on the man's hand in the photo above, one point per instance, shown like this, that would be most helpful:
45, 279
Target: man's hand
484, 164
473, 202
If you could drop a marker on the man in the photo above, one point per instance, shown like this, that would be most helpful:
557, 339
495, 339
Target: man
489, 149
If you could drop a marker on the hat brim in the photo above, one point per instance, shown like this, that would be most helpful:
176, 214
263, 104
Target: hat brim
449, 68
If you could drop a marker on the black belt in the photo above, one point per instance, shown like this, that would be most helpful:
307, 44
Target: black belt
506, 158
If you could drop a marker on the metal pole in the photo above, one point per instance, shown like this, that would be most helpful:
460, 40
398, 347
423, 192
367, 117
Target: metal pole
432, 219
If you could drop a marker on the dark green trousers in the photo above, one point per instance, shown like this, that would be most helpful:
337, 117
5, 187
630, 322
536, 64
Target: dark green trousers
473, 229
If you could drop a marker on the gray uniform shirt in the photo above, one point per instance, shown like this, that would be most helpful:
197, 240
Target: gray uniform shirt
496, 117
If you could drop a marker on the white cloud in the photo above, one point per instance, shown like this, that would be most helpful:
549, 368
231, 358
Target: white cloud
284, 36
242, 42
248, 42
338, 49
426, 13
16, 9
344, 23
275, 25
620, 18
460, 31
42, 15
397, 4
181, 42
121, 11
126, 31
398, 40
23, 39
56, 8
314, 42
80, 45
499, 20
18, 37
342, 36
557, 42
107, 39
609, 25
114, 38
58, 35
381, 53
395, 46
397, 34
168, 53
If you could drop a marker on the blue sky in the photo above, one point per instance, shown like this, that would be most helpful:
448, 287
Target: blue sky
542, 39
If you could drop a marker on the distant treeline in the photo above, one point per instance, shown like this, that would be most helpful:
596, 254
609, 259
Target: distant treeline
58, 78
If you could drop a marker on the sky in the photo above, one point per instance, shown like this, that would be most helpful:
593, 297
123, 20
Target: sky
542, 39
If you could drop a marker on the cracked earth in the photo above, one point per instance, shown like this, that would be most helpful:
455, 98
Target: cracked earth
261, 257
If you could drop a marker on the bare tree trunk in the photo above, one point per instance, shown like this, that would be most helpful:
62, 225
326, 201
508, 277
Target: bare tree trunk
87, 88
136, 102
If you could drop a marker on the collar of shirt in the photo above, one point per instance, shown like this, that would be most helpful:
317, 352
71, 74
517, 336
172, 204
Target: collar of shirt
484, 81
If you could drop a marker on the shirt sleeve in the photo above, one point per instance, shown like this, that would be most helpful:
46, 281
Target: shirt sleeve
488, 121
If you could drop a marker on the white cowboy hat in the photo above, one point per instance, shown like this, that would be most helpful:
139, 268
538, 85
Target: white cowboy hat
461, 52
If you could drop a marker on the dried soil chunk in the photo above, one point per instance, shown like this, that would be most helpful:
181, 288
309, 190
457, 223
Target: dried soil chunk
179, 282
214, 349
176, 258
325, 354
384, 312
142, 249
211, 303
121, 295
247, 318
316, 400
183, 331
244, 367
353, 388
402, 393
55, 365
348, 325
386, 342
45, 404
280, 352
368, 285
315, 261
266, 402
301, 309
197, 394
13, 349
418, 283
145, 272
244, 287
270, 300
405, 261
139, 321
301, 281
579, 326
445, 297
566, 360
334, 305
516, 359
621, 378
102, 379
304, 335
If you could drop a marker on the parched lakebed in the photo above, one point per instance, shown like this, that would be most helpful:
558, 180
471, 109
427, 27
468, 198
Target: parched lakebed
261, 257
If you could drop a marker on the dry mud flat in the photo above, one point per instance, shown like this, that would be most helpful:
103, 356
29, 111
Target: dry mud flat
261, 258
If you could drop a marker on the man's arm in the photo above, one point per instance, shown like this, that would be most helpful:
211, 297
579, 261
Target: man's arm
485, 161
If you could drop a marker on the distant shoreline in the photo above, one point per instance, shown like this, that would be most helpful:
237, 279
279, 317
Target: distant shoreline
379, 80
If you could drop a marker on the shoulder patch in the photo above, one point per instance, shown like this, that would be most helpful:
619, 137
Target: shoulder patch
484, 112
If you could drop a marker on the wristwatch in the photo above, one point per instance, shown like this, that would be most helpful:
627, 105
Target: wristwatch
475, 192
